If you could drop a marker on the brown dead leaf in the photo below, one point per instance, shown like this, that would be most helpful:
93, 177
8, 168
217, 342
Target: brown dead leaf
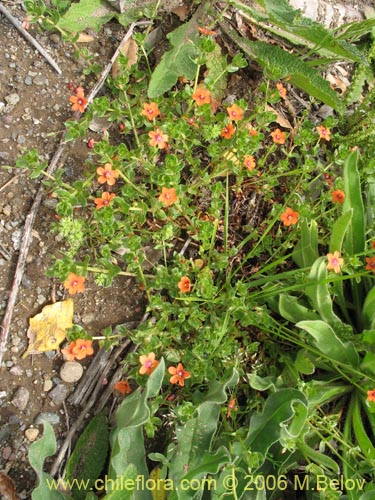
130, 50
85, 38
48, 329
280, 119
181, 12
7, 488
337, 83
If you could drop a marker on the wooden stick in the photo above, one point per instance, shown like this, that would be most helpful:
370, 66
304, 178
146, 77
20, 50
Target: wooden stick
26, 237
29, 38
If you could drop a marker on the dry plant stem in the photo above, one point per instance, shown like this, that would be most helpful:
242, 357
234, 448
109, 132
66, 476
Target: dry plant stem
26, 237
90, 403
29, 38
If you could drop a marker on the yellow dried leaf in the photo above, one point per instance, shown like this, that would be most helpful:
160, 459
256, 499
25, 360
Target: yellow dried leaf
280, 119
230, 156
130, 50
48, 329
85, 38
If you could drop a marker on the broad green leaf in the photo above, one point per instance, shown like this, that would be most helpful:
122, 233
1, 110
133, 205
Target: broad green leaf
339, 230
320, 392
317, 289
278, 412
293, 311
89, 455
319, 458
130, 475
179, 61
92, 14
355, 235
216, 66
360, 433
261, 383
370, 202
303, 364
368, 310
306, 251
329, 344
47, 488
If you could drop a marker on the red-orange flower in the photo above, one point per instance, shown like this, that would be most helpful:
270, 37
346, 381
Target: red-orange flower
282, 90
178, 374
249, 162
74, 284
78, 349
151, 110
107, 175
82, 348
232, 406
78, 101
168, 196
104, 200
370, 264
158, 139
184, 284
201, 96
324, 133
123, 387
206, 31
289, 217
278, 136
338, 196
228, 131
235, 112
334, 261
148, 362
371, 396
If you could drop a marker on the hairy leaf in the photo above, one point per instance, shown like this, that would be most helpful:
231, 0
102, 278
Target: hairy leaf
92, 14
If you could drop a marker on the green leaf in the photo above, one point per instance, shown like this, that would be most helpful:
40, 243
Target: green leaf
92, 14
306, 251
360, 433
291, 309
318, 291
279, 410
339, 230
89, 455
216, 69
368, 311
262, 383
355, 235
130, 475
179, 61
329, 344
319, 458
303, 364
38, 452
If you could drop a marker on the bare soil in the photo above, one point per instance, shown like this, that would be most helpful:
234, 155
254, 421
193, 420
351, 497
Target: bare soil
34, 104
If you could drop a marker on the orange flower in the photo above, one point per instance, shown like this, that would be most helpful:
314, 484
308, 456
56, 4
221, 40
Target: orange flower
206, 31
78, 349
178, 374
338, 196
324, 133
157, 138
231, 406
201, 96
80, 91
249, 162
228, 131
282, 90
191, 121
82, 348
123, 387
184, 284
168, 196
107, 175
68, 352
289, 217
74, 284
278, 136
235, 112
78, 102
104, 200
150, 111
334, 261
371, 396
148, 362
370, 264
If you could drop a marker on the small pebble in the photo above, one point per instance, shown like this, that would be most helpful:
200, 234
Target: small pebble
28, 80
52, 418
12, 99
31, 434
71, 371
40, 80
59, 393
16, 369
47, 385
21, 398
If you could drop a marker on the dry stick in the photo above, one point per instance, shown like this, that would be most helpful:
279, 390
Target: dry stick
31, 39
29, 221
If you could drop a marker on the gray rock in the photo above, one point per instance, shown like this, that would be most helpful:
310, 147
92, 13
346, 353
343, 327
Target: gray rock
28, 80
59, 393
21, 398
40, 80
71, 371
16, 370
12, 99
52, 418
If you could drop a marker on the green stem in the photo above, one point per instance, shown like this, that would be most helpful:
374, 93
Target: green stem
105, 271
132, 119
